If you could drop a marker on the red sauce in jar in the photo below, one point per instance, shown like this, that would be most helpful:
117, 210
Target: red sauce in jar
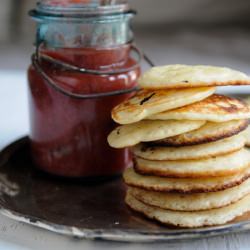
68, 135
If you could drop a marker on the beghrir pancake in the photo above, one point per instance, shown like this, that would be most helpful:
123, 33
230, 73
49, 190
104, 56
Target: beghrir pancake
211, 217
146, 102
183, 185
215, 108
144, 131
246, 134
192, 202
201, 151
224, 165
189, 76
247, 131
209, 132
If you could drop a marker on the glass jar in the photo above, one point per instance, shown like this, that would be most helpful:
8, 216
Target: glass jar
82, 68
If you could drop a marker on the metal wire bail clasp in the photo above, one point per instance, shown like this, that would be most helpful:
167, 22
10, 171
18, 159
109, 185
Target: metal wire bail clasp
37, 57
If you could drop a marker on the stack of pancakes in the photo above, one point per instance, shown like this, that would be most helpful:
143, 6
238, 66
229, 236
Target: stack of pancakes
191, 167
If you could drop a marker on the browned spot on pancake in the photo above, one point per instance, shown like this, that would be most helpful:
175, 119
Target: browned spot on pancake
214, 104
222, 104
146, 99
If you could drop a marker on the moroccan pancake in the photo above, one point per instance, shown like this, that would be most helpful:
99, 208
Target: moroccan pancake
183, 185
188, 76
215, 108
147, 102
211, 217
201, 151
143, 131
224, 165
209, 132
247, 136
192, 202
247, 131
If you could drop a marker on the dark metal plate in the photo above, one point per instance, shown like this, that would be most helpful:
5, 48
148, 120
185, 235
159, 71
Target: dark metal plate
95, 211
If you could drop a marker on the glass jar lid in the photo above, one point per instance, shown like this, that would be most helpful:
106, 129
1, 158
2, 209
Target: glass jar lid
80, 8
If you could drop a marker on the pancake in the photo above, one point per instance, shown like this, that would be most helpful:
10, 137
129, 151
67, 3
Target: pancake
188, 76
202, 151
212, 167
146, 102
191, 219
183, 185
247, 131
215, 108
246, 134
132, 134
209, 132
192, 202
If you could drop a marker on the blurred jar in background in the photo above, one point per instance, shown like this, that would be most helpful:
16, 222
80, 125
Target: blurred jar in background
70, 109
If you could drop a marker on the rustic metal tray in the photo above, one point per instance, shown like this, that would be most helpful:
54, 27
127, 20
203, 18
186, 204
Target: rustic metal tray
75, 208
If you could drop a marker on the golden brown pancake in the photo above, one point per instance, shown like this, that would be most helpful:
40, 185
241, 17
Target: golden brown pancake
209, 132
224, 165
146, 102
211, 217
192, 202
246, 134
215, 108
195, 152
132, 134
183, 185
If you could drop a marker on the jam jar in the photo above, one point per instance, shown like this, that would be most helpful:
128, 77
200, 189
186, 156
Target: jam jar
84, 65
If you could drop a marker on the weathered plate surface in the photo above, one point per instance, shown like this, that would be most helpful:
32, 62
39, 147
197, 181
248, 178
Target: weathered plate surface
82, 210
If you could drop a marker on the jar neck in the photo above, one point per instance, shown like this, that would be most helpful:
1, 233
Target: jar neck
80, 35
86, 35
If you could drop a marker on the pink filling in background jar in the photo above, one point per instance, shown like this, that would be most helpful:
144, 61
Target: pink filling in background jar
69, 136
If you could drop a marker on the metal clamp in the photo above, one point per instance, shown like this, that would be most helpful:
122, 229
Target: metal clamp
36, 59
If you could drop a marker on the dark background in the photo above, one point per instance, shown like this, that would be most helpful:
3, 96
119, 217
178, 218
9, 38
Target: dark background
170, 31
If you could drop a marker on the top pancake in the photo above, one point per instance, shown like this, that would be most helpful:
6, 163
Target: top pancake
145, 103
215, 108
184, 76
